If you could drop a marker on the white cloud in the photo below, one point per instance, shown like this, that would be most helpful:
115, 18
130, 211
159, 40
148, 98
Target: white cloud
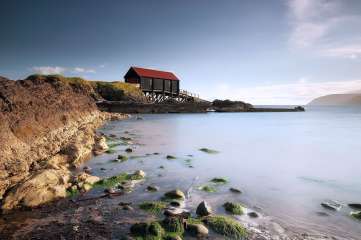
323, 26
83, 70
300, 92
47, 70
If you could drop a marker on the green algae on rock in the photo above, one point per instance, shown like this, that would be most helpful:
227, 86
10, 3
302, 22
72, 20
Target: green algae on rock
219, 180
207, 188
175, 194
155, 207
153, 231
173, 224
356, 215
233, 208
118, 179
208, 150
226, 226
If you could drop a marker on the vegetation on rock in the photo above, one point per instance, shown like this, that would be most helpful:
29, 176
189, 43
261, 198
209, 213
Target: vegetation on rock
155, 207
219, 180
207, 188
233, 208
356, 215
226, 226
208, 150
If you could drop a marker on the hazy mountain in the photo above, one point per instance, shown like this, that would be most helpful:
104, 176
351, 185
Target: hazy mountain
338, 99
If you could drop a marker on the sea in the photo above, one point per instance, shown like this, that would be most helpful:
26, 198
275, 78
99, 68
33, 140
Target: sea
285, 163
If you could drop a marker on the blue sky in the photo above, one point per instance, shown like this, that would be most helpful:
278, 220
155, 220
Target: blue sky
263, 52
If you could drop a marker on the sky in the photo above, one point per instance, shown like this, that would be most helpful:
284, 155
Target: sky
258, 51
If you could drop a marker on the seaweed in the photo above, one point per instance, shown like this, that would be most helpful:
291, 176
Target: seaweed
227, 227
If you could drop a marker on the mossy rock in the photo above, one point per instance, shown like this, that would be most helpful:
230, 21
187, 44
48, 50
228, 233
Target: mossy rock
356, 215
227, 227
72, 192
173, 224
122, 158
151, 231
155, 207
208, 150
219, 180
233, 208
118, 179
207, 188
175, 194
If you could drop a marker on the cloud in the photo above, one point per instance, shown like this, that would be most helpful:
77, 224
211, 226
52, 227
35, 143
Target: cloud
47, 70
300, 92
324, 26
84, 70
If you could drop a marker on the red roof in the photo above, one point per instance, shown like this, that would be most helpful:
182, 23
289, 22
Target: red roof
144, 72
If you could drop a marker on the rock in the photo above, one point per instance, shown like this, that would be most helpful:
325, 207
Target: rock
230, 106
100, 145
197, 230
233, 208
176, 212
235, 190
331, 205
42, 187
253, 214
139, 174
175, 194
152, 188
173, 224
173, 238
170, 157
356, 206
124, 204
322, 214
356, 215
110, 190
203, 209
175, 204
122, 158
127, 208
86, 178
87, 169
41, 117
128, 150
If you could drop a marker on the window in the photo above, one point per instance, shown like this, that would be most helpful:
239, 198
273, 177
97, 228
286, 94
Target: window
158, 84
146, 83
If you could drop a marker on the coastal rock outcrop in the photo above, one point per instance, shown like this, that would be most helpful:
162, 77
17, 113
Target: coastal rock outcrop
47, 125
230, 106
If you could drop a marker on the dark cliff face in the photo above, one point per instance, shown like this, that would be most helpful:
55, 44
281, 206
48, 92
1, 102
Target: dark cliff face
33, 117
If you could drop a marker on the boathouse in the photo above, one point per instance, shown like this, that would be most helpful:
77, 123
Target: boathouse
153, 81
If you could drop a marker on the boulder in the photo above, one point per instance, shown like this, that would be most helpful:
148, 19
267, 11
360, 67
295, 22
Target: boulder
197, 230
100, 145
175, 194
331, 205
42, 187
203, 209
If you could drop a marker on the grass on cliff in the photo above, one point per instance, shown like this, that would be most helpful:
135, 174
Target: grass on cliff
112, 91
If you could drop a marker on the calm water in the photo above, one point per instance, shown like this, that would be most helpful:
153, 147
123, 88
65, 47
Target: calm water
286, 164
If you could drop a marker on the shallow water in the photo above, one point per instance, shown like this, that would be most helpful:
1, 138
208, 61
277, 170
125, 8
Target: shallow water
286, 164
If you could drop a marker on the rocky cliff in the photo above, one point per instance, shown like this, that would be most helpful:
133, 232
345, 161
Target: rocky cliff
47, 125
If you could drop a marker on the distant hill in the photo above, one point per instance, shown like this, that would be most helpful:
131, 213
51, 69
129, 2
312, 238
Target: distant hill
337, 99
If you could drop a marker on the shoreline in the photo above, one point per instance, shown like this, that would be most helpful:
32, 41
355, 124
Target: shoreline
256, 232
